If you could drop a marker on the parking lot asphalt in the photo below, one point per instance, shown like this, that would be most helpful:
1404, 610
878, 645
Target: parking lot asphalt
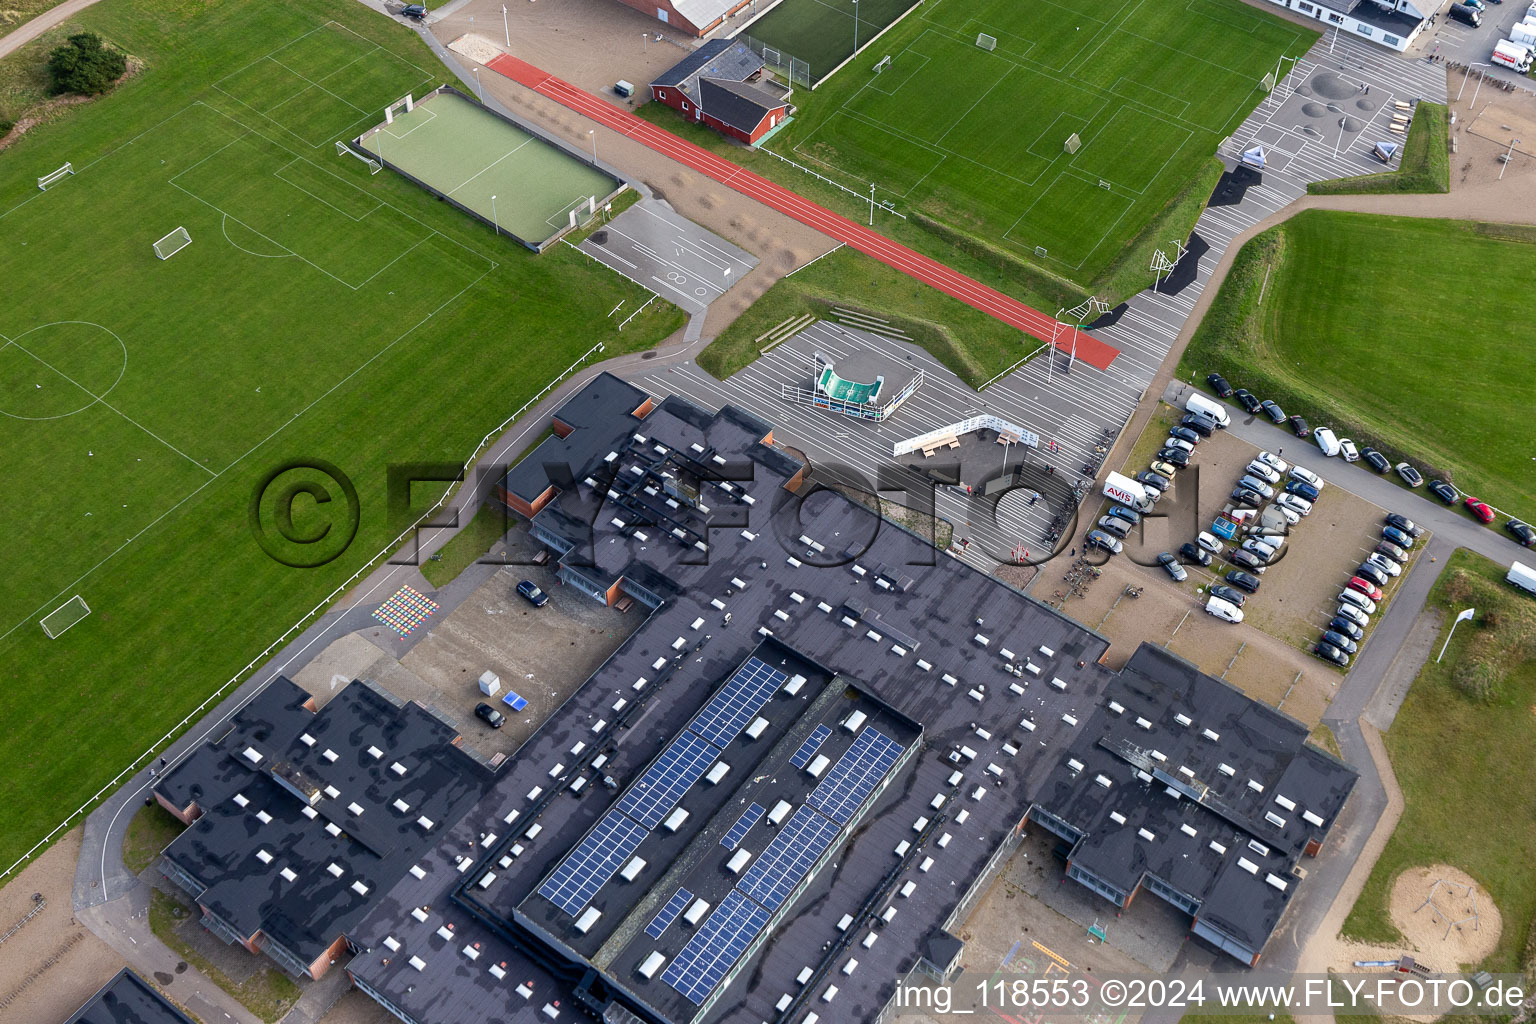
653, 246
1454, 41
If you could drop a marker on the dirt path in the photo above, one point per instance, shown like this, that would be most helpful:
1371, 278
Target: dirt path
30, 30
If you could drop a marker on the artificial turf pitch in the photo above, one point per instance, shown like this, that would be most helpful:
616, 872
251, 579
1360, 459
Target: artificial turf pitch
320, 315
975, 138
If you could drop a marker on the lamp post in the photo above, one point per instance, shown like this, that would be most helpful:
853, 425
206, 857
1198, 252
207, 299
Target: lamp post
1463, 617
855, 26
871, 204
495, 223
1508, 155
1050, 365
593, 133
645, 42
479, 90
505, 28
1468, 74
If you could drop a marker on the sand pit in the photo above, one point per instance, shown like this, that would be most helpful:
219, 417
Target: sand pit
1458, 929
476, 47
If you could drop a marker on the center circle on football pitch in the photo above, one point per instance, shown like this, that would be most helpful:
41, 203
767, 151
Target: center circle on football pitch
58, 369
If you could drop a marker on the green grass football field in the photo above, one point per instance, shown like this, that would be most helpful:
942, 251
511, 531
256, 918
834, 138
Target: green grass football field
320, 313
1413, 350
822, 33
977, 138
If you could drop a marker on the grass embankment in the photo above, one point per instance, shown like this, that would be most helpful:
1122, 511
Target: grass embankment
268, 993
1426, 165
970, 343
489, 524
1461, 750
1366, 325
150, 831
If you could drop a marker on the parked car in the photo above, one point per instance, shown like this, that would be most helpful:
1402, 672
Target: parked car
1264, 471
1295, 503
1154, 480
1209, 542
1224, 610
1405, 524
1290, 515
1200, 424
1274, 412
1339, 624
1244, 496
1243, 580
1348, 450
1301, 489
1328, 652
532, 594
1259, 549
1398, 537
1100, 539
1353, 612
1523, 533
1378, 576
490, 716
1384, 563
415, 12
1391, 550
1130, 515
1115, 525
1410, 475
1480, 509
1375, 460
1246, 559
1178, 458
1326, 442
1305, 475
1195, 554
1228, 594
1219, 385
1254, 483
1247, 399
1168, 562
1299, 426
1339, 640
1163, 469
1365, 587
1273, 461
1359, 600
1178, 443
1443, 490
1184, 434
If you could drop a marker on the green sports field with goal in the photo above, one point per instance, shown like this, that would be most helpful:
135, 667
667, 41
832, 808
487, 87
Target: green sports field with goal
505, 175
321, 316
977, 138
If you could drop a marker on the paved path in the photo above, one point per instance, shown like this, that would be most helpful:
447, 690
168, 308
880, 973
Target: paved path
30, 30
951, 282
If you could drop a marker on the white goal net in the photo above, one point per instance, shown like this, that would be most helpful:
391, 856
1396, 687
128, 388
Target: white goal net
172, 243
985, 41
53, 176
64, 616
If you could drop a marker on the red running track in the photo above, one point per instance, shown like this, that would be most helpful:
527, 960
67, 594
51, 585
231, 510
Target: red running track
973, 293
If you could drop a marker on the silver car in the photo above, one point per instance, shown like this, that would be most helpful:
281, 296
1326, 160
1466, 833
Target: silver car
1263, 471
1384, 563
1253, 483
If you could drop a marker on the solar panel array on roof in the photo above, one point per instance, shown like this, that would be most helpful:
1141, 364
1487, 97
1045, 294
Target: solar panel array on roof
812, 743
725, 935
663, 920
787, 859
681, 765
728, 712
855, 775
578, 877
749, 817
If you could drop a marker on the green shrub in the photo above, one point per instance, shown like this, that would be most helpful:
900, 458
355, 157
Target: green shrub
6, 124
84, 66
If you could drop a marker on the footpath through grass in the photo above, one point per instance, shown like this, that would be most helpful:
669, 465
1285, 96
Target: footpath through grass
973, 345
320, 313
1461, 749
1426, 164
1368, 325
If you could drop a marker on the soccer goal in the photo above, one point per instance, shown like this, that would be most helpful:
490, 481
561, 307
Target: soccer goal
985, 41
55, 176
884, 63
406, 104
1268, 82
64, 616
172, 243
1073, 143
342, 149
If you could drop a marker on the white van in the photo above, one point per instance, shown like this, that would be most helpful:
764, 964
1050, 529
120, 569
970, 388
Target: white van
1326, 441
1522, 576
1226, 611
1198, 403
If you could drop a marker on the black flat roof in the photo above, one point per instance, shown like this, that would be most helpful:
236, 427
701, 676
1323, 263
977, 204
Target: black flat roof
599, 415
128, 999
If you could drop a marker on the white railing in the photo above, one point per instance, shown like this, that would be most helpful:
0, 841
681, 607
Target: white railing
367, 567
966, 426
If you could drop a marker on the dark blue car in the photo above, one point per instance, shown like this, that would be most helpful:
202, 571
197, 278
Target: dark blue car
1301, 489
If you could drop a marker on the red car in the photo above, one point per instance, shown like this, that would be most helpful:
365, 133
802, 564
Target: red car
1480, 510
1365, 587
